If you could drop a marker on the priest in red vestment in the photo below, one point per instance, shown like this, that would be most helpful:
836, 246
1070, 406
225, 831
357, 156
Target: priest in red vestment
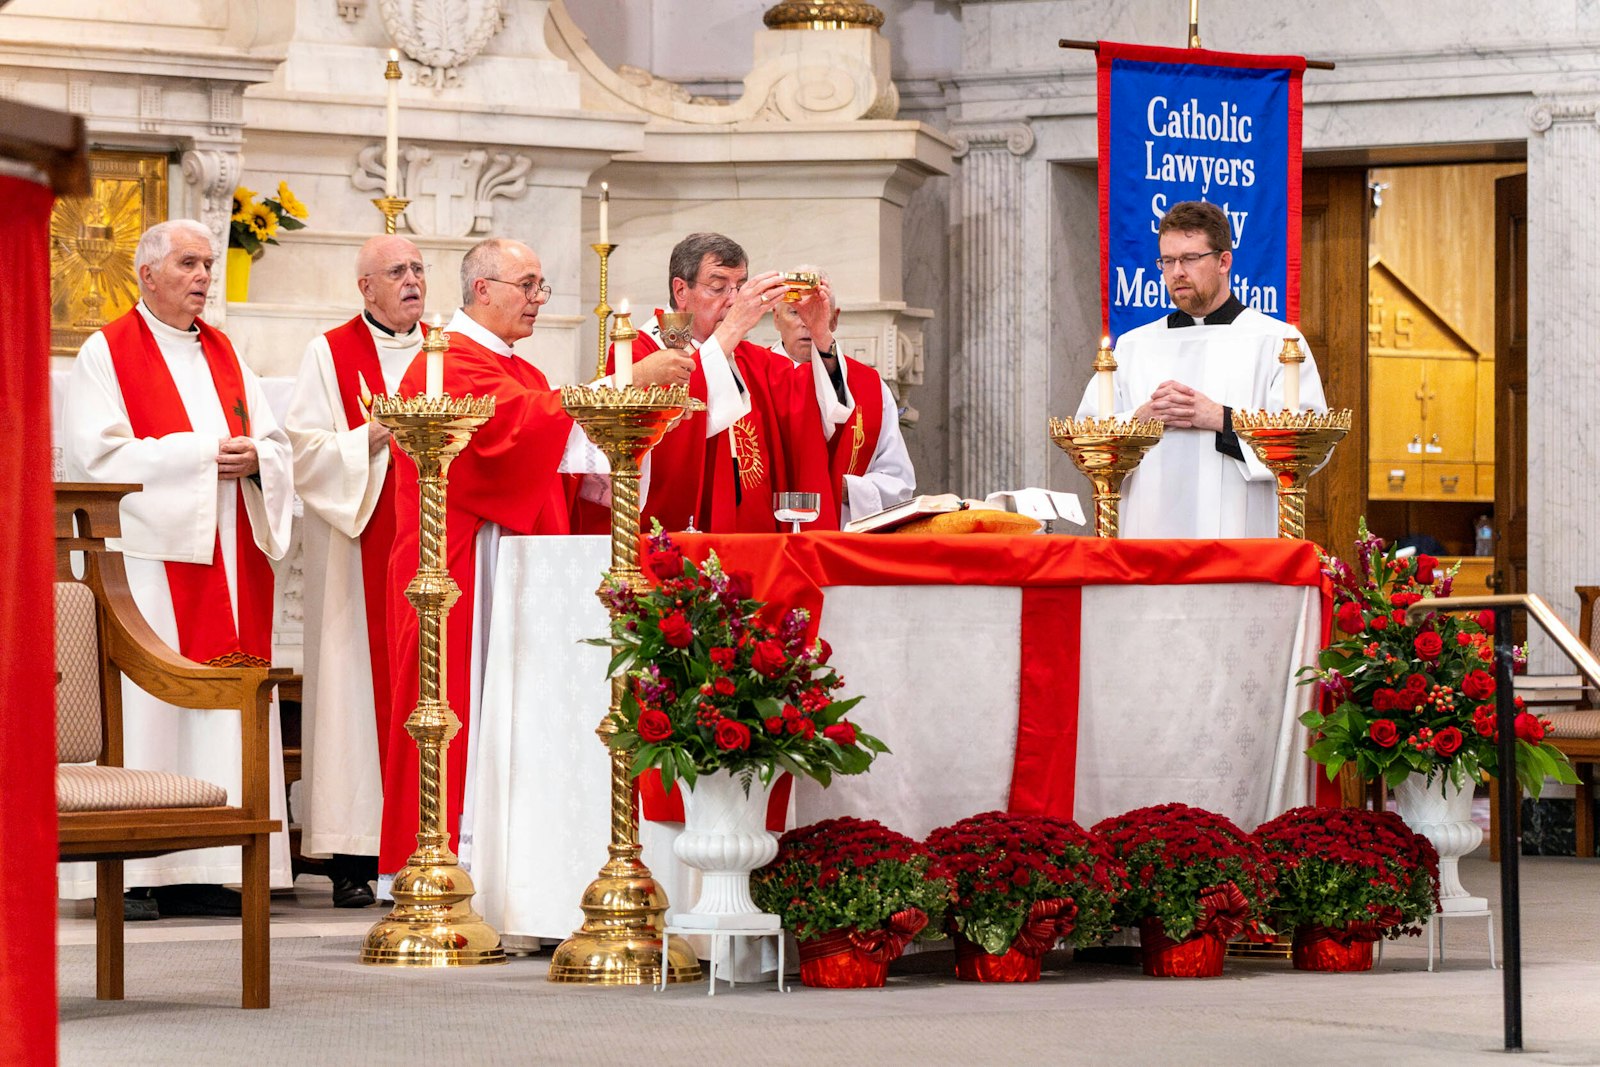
764, 430
344, 473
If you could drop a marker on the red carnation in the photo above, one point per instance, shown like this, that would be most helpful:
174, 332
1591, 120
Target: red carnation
1426, 565
667, 563
731, 736
1379, 622
725, 687
675, 630
1384, 700
840, 733
654, 725
1384, 733
1405, 600
1478, 685
1483, 719
1529, 727
1428, 645
769, 658
1399, 616
1447, 742
774, 724
1350, 617
723, 657
1486, 620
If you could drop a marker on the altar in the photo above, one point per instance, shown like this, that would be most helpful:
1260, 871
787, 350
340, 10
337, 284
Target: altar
1057, 674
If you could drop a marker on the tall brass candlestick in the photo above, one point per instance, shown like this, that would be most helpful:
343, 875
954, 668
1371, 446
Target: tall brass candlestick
1105, 450
602, 310
1292, 444
624, 909
432, 924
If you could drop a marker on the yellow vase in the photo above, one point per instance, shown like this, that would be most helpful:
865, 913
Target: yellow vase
238, 283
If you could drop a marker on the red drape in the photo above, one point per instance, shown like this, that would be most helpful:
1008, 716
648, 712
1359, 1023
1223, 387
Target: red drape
27, 649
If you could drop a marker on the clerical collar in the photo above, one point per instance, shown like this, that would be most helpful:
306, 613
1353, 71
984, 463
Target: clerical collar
1225, 314
376, 325
461, 322
160, 328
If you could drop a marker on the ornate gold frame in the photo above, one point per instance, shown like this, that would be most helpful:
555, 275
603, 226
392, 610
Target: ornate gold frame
92, 239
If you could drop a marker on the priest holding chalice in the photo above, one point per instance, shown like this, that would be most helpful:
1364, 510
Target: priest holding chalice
766, 426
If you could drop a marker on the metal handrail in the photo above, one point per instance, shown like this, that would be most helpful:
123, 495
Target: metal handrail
1558, 631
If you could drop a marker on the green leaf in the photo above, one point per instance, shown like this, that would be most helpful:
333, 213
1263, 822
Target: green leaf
1396, 773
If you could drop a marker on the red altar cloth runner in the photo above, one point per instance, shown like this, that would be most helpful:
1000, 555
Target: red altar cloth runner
790, 571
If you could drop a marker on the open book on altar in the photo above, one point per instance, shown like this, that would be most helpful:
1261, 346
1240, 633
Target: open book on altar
899, 514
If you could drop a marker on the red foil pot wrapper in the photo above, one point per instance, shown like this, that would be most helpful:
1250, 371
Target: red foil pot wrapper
1316, 948
1198, 957
974, 964
833, 961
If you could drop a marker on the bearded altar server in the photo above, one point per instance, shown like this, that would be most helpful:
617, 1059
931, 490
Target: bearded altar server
1191, 371
765, 429
867, 455
344, 473
160, 398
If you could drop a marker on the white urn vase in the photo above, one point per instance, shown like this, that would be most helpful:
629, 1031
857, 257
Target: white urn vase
1441, 811
725, 837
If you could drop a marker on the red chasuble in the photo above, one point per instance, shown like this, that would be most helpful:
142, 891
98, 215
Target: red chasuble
202, 602
507, 475
725, 485
355, 360
854, 443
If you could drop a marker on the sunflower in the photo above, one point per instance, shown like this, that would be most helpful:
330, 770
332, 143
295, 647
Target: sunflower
291, 203
262, 221
242, 200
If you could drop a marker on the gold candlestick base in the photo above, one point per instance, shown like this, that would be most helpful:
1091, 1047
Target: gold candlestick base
392, 208
1291, 445
1105, 450
432, 924
624, 909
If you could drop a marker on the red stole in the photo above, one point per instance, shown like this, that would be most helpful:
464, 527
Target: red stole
355, 360
506, 475
201, 600
726, 484
854, 443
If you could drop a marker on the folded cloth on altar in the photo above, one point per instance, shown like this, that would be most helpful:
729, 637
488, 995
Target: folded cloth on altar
973, 520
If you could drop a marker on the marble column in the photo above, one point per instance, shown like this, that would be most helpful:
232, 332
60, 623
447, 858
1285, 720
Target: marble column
214, 175
1563, 351
987, 430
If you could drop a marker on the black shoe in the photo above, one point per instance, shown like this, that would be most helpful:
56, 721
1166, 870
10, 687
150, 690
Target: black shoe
197, 900
139, 906
350, 893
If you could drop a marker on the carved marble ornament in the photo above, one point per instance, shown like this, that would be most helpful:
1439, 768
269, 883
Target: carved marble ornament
442, 35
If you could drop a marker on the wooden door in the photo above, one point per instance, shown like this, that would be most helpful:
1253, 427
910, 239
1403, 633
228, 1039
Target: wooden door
1511, 387
1333, 316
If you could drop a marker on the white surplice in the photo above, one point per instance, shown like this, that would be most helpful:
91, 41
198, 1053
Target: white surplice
339, 478
178, 516
1185, 487
890, 478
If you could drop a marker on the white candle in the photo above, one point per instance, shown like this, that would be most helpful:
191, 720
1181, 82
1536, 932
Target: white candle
435, 378
1291, 374
624, 354
605, 212
391, 146
1108, 396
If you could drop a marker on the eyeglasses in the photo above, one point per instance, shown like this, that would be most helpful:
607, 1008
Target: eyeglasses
1188, 260
717, 292
398, 271
531, 290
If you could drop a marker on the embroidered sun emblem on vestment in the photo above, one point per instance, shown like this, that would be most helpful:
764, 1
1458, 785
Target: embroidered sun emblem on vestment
747, 451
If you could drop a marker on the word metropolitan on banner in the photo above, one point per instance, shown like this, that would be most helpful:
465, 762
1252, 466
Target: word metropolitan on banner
1186, 124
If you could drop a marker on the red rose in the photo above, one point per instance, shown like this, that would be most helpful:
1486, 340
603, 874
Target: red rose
1417, 683
1486, 620
1378, 622
725, 687
1384, 733
1399, 616
1486, 654
1447, 742
1405, 600
1428, 645
1529, 727
667, 563
740, 585
774, 724
731, 736
808, 729
1426, 565
1350, 617
1478, 685
769, 658
824, 650
723, 657
676, 631
654, 726
1384, 700
840, 733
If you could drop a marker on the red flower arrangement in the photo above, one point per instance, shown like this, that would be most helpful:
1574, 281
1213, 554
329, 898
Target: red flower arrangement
1413, 697
1190, 870
852, 874
1028, 881
709, 687
1359, 875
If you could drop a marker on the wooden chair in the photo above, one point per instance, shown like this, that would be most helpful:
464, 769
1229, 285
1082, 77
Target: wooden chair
109, 813
1576, 732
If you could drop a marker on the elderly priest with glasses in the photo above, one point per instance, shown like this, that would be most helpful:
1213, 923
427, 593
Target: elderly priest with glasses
1191, 371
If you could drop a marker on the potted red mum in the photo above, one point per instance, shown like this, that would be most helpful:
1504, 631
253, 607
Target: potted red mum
1194, 880
1022, 884
1347, 877
854, 893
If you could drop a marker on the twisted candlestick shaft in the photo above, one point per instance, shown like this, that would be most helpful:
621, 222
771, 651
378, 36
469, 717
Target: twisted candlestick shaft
1107, 508
1292, 511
